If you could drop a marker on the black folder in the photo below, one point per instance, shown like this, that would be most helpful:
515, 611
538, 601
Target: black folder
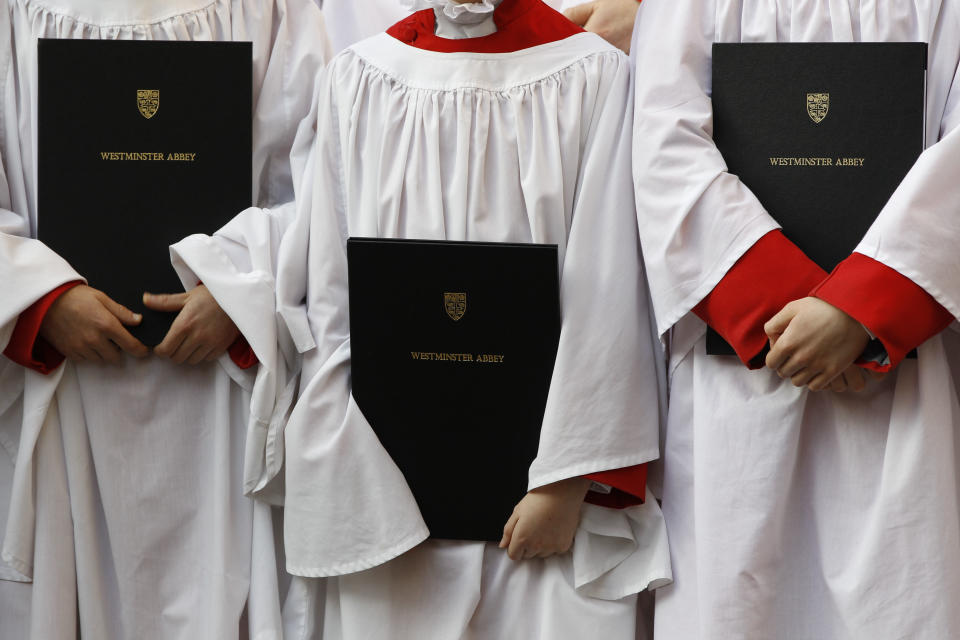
141, 143
822, 133
452, 352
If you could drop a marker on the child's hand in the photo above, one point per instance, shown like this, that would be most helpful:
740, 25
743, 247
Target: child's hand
812, 342
543, 523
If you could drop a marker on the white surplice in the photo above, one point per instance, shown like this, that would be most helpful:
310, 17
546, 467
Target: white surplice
794, 514
529, 146
127, 494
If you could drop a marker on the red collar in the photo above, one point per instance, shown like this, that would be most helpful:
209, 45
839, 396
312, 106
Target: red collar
521, 24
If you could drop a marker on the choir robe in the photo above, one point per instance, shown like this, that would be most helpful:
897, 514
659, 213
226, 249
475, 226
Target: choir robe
126, 499
794, 514
519, 136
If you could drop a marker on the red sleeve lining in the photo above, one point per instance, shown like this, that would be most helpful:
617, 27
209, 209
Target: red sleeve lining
26, 346
241, 353
629, 487
900, 313
770, 274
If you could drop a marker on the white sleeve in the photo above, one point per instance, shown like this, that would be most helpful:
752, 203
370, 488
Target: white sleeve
28, 269
918, 231
332, 526
696, 218
602, 409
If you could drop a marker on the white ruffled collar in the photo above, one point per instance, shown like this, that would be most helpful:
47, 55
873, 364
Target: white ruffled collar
458, 20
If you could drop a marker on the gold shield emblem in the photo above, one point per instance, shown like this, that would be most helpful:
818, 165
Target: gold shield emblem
818, 104
455, 304
148, 101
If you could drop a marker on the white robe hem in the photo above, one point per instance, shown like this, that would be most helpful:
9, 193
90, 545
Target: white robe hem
362, 564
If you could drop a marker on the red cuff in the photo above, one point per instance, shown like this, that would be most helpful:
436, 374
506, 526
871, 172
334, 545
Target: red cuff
629, 487
241, 353
770, 274
900, 313
26, 347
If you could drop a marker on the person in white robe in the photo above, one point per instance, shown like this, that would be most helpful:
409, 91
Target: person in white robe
126, 506
795, 514
496, 131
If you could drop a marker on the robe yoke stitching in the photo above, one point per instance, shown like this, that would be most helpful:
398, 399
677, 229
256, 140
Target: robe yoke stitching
174, 14
397, 77
551, 75
598, 43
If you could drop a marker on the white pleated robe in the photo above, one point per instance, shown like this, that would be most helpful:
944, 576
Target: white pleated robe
794, 514
529, 146
127, 494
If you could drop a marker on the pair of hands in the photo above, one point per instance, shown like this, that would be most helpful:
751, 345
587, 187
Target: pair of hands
812, 343
815, 344
86, 324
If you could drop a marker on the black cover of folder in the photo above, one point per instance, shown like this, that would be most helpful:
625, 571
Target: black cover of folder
452, 347
783, 110
141, 143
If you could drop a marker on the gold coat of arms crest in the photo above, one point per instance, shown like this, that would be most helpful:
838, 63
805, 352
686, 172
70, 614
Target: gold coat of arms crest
148, 101
455, 305
818, 104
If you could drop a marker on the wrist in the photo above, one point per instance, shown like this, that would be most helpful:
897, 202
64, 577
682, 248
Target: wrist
574, 488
